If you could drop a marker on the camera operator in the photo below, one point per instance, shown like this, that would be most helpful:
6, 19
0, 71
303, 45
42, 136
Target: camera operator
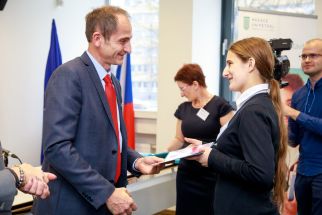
305, 130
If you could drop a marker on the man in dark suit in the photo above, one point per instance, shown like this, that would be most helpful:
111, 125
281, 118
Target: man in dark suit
25, 177
81, 138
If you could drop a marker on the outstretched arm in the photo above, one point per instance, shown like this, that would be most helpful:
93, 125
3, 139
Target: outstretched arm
147, 165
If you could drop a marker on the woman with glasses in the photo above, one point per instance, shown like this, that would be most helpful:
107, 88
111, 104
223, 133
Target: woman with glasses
199, 117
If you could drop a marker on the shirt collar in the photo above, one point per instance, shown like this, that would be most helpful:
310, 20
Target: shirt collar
250, 92
99, 68
316, 85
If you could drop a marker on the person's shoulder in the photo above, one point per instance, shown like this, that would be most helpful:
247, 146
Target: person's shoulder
259, 103
256, 110
259, 99
70, 71
76, 62
72, 66
185, 104
219, 100
219, 103
183, 107
318, 85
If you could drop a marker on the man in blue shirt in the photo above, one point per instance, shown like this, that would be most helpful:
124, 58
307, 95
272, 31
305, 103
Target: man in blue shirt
305, 130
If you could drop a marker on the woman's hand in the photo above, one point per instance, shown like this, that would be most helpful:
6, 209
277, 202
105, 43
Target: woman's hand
203, 158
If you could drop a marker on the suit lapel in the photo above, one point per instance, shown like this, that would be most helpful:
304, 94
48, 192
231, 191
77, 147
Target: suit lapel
98, 86
117, 91
232, 120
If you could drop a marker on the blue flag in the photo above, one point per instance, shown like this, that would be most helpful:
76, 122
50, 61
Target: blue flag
53, 61
54, 56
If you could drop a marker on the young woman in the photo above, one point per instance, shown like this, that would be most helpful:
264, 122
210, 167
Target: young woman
249, 157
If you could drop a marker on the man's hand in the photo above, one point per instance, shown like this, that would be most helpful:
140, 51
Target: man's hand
290, 112
149, 165
120, 202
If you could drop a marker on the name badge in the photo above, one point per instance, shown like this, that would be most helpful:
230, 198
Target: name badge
203, 114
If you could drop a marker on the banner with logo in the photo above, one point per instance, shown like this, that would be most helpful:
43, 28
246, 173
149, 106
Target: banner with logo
275, 25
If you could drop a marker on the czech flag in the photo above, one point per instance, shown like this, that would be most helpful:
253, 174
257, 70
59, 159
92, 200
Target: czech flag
123, 74
53, 61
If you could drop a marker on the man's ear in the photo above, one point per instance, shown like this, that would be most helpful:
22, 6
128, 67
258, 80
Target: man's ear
97, 38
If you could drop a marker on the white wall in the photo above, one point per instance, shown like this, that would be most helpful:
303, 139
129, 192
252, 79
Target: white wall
206, 30
175, 43
24, 41
189, 33
318, 11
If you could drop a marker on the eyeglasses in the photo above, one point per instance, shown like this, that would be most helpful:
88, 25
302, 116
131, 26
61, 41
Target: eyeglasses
310, 56
182, 89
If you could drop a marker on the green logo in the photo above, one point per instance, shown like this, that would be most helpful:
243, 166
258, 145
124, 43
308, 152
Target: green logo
246, 22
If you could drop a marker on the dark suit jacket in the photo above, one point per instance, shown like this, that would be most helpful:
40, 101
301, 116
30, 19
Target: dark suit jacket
79, 141
245, 160
7, 188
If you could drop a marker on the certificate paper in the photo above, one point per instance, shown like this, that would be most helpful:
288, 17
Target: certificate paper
186, 152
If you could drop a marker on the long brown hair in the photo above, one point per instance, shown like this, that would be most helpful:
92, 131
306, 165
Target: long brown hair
260, 50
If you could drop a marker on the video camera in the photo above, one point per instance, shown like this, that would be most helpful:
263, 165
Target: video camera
282, 63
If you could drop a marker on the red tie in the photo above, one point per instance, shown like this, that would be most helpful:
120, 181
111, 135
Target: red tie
111, 98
